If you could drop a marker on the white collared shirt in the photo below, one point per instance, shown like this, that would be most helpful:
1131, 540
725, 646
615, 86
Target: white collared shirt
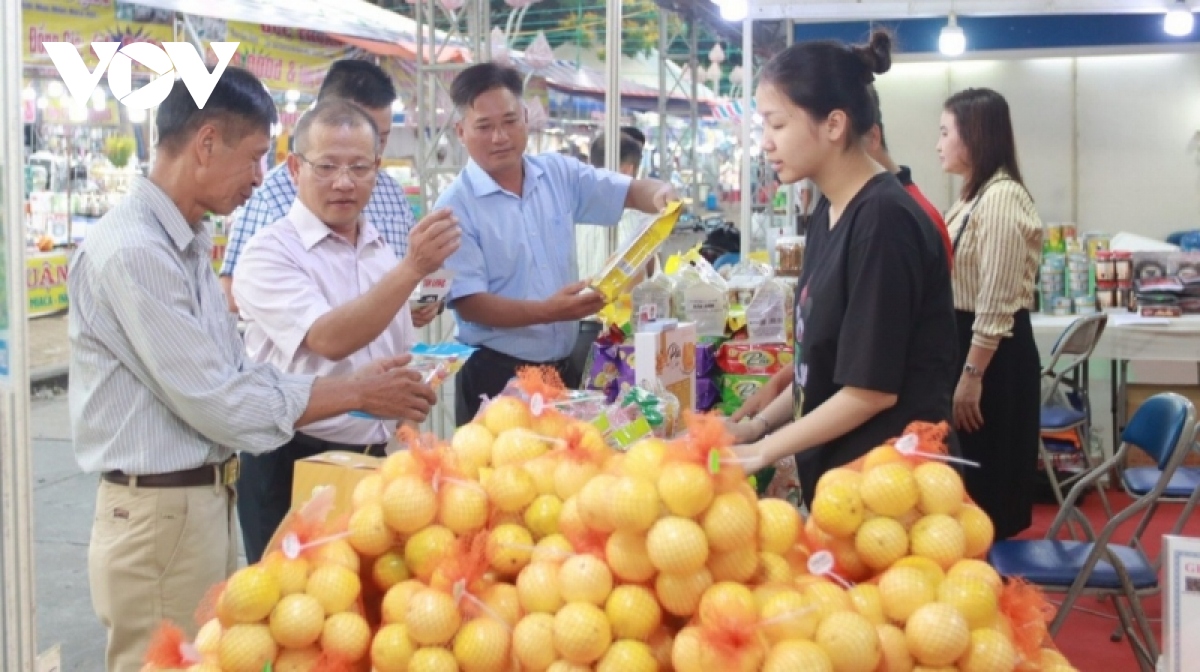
293, 272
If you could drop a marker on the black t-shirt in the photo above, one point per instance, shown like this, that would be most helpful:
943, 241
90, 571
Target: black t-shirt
874, 310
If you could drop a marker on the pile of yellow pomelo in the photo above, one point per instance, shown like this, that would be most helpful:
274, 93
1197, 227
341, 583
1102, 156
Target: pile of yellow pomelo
527, 544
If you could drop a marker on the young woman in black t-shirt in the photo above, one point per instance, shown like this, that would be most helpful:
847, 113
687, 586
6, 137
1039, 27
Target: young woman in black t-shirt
875, 328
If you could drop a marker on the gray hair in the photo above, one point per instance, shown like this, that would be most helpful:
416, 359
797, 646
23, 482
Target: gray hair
332, 114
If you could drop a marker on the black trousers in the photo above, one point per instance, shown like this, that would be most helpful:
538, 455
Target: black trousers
264, 489
487, 373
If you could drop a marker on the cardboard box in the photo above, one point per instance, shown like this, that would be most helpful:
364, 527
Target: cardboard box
338, 469
1181, 603
668, 355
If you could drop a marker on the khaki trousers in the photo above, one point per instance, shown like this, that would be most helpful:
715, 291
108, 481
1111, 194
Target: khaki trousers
153, 555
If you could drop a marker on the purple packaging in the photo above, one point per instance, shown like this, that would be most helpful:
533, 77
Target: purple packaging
706, 359
708, 393
612, 365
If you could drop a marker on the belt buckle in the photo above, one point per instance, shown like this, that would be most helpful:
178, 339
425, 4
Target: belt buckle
230, 471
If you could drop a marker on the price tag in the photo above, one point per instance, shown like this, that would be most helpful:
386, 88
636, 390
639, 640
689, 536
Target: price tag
537, 405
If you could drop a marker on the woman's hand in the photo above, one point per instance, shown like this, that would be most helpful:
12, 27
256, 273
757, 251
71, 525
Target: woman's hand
746, 431
967, 414
752, 456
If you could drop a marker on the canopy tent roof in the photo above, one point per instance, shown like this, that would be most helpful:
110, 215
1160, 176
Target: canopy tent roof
864, 10
355, 22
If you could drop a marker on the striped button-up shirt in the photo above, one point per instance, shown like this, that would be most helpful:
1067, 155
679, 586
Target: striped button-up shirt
160, 381
388, 210
997, 257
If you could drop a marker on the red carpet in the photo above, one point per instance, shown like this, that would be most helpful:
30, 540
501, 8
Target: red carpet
1084, 638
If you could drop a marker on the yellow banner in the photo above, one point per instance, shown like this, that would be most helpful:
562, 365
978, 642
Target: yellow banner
46, 283
285, 58
82, 22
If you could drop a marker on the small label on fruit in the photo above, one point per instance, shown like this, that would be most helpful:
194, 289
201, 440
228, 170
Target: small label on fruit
820, 563
537, 405
290, 546
907, 445
714, 461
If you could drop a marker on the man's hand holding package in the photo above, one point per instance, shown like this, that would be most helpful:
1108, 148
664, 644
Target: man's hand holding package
431, 241
573, 302
665, 196
389, 389
422, 316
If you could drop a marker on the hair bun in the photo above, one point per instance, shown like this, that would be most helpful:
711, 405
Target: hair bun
876, 55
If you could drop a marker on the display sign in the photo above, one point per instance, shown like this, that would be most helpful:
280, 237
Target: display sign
285, 58
1181, 606
46, 283
82, 22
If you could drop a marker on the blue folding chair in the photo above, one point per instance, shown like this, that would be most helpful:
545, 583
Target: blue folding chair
1164, 428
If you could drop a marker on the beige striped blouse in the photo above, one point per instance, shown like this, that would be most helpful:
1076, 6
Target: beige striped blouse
995, 266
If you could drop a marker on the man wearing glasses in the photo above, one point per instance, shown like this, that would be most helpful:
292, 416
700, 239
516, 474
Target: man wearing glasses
322, 293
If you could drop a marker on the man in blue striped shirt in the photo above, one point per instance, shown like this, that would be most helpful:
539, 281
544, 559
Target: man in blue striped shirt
369, 87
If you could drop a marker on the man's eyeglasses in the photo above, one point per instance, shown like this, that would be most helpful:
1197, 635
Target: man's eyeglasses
330, 171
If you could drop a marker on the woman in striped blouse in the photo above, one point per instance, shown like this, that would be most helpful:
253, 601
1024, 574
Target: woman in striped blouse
997, 242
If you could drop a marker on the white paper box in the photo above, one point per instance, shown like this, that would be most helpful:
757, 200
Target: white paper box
1181, 604
668, 356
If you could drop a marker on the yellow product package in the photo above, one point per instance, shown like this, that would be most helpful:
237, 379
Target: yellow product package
622, 268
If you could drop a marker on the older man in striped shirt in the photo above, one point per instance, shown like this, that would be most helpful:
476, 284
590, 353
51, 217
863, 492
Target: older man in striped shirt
162, 393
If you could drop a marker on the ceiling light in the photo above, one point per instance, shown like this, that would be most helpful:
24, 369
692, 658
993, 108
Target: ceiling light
734, 10
952, 41
1179, 20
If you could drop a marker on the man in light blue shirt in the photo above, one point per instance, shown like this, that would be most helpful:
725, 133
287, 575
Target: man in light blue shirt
516, 291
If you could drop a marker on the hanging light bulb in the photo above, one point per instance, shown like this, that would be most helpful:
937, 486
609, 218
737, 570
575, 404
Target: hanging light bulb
98, 100
136, 116
734, 10
1179, 21
292, 96
290, 108
952, 41
28, 93
55, 89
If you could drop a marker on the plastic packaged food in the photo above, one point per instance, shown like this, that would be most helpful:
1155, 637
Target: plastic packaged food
651, 301
613, 280
766, 316
790, 252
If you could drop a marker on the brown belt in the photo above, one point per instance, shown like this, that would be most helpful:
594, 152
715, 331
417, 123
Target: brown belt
227, 472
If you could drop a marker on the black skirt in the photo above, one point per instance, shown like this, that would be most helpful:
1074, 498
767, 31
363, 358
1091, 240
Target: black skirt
1007, 446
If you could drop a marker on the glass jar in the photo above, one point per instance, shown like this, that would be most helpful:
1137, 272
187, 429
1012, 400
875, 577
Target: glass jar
1106, 269
1123, 267
789, 251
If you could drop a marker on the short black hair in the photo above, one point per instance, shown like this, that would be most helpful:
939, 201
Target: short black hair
334, 113
239, 102
635, 133
360, 82
478, 79
631, 151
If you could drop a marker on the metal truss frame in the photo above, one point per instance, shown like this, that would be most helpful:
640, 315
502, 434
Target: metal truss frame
670, 143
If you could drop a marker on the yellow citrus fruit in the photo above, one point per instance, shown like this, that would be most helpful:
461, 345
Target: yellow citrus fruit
978, 528
989, 651
511, 488
838, 509
464, 507
937, 634
296, 621
627, 557
503, 414
517, 446
635, 504
788, 615
941, 488
537, 588
850, 641
552, 424
644, 459
426, 549
581, 633
596, 502
928, 567
504, 602
778, 525
208, 638
251, 594
388, 570
369, 535
472, 446
868, 602
292, 575
346, 637
839, 476
570, 519
509, 548
628, 656
896, 657
290, 660
432, 617
727, 602
795, 655
828, 598
633, 612
432, 659
730, 522
685, 652
542, 516
939, 538
554, 548
572, 476
533, 642
890, 490
369, 489
974, 598
246, 648
542, 470
977, 570
680, 594
903, 591
738, 565
585, 578
409, 504
482, 645
334, 587
773, 569
686, 489
391, 649
677, 545
880, 542
566, 666
336, 552
395, 600
881, 455
661, 643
